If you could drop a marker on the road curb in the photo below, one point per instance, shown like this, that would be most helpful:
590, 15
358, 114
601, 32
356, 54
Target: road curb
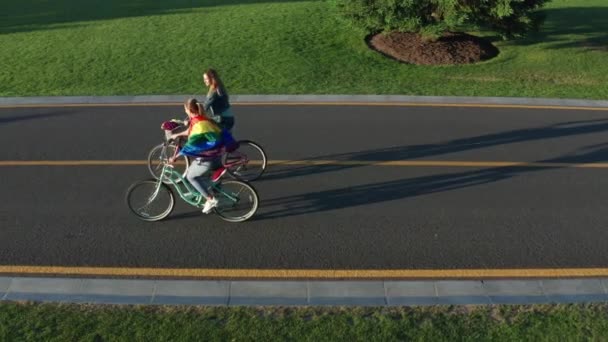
306, 99
303, 293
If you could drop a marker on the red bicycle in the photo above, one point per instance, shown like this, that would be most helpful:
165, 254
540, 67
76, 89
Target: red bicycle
245, 160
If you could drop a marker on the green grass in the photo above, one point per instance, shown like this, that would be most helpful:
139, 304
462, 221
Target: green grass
115, 47
52, 322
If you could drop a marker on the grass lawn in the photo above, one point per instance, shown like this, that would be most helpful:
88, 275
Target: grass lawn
69, 322
116, 47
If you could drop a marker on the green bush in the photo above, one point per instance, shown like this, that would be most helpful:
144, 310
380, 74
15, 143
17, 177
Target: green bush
431, 18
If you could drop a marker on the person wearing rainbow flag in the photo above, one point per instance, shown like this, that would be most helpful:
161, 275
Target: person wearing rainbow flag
205, 139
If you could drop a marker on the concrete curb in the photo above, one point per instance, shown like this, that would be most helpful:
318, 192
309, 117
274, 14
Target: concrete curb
304, 99
307, 293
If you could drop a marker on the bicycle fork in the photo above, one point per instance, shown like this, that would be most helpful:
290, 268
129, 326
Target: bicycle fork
158, 185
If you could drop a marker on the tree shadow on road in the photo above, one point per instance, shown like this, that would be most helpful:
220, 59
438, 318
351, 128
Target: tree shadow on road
412, 152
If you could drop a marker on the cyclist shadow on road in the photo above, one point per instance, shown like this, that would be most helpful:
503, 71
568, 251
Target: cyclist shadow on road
564, 129
357, 195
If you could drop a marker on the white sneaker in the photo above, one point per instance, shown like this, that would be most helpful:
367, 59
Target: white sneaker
209, 204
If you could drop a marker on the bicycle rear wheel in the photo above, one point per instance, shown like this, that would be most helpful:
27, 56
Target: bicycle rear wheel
237, 201
163, 152
247, 163
149, 200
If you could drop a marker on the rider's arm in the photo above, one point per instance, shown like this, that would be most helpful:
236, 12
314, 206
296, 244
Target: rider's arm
180, 134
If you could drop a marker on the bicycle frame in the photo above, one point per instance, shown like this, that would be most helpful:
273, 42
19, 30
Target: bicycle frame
242, 159
235, 159
178, 142
185, 190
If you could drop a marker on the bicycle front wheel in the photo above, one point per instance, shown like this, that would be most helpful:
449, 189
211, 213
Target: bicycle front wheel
247, 163
163, 152
237, 201
149, 200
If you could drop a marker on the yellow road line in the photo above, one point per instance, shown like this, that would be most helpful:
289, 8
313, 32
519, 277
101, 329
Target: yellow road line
319, 103
308, 274
320, 162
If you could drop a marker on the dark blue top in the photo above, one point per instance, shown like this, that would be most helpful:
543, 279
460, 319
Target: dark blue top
216, 104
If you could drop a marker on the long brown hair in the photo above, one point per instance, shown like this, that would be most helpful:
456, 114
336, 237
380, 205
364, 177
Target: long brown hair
215, 83
194, 106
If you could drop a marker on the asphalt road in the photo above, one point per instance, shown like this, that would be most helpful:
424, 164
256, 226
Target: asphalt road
335, 216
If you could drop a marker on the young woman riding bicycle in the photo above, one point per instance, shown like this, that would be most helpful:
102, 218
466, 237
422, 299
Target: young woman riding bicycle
217, 105
205, 139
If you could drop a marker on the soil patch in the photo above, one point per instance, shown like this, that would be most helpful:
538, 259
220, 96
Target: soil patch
452, 48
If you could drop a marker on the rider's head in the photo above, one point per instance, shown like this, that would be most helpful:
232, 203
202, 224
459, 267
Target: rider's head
193, 108
212, 80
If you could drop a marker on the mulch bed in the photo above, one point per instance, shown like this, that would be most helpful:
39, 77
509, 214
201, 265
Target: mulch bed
452, 48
